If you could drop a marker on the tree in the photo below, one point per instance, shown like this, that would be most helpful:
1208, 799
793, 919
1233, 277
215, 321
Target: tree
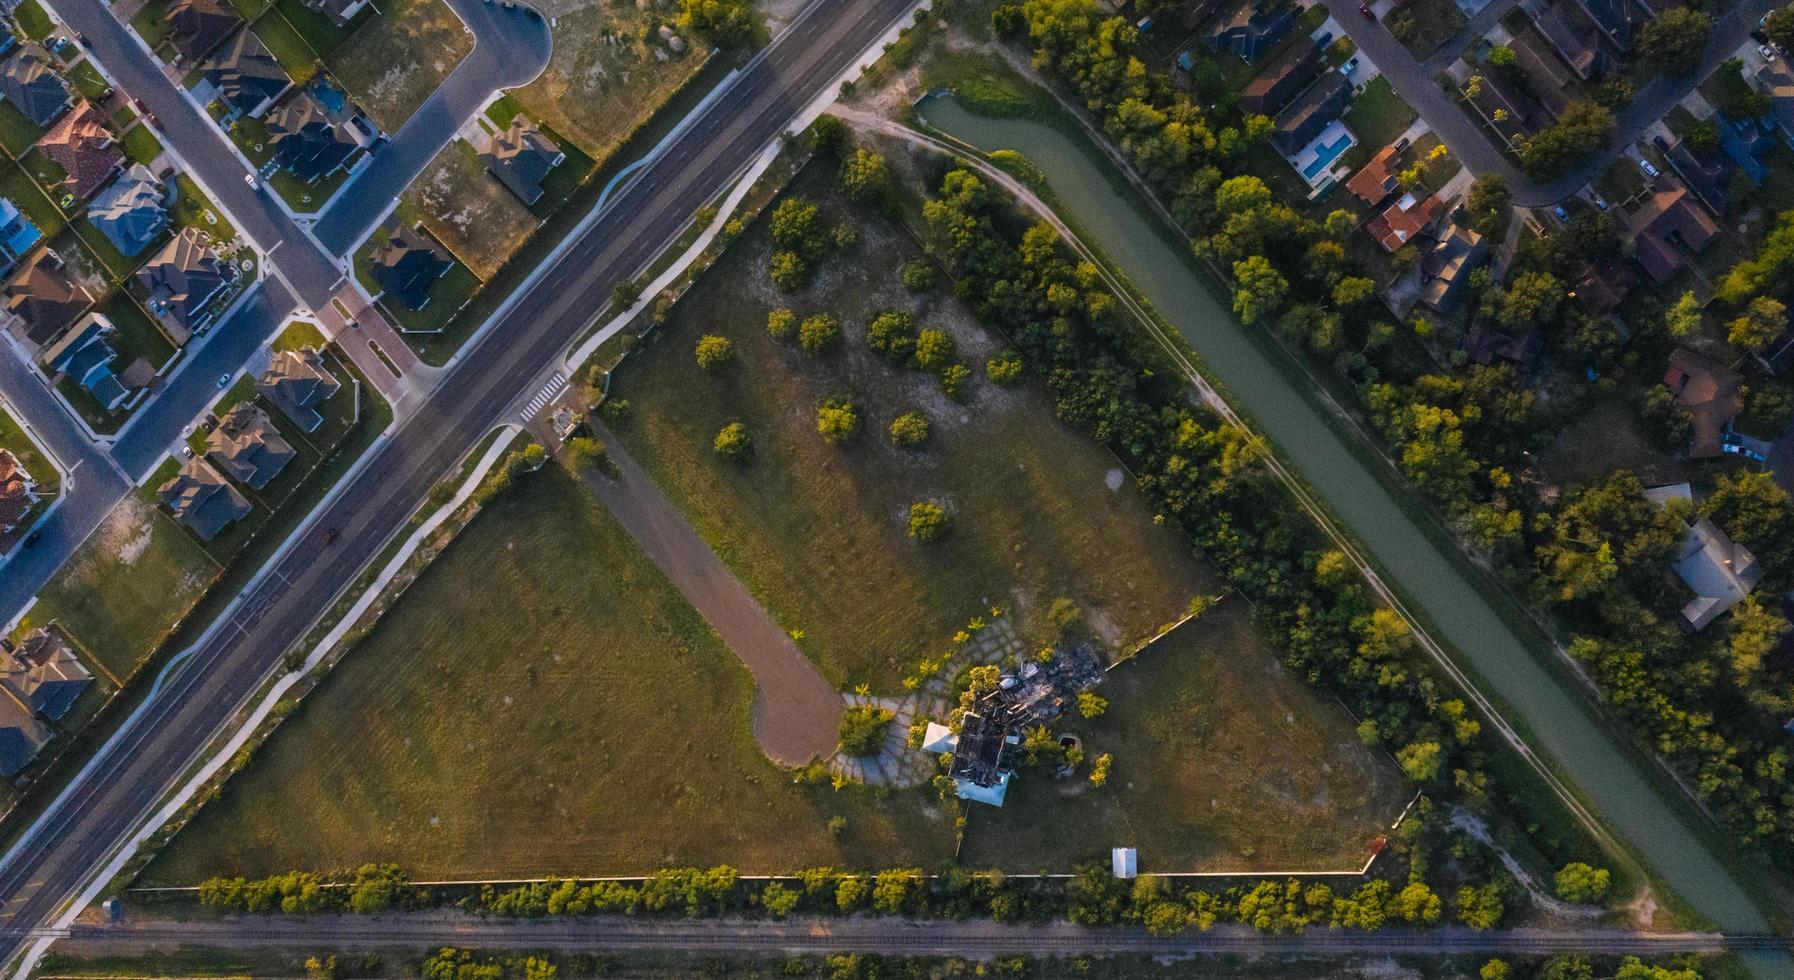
1099, 769
584, 451
866, 178
1531, 300
1353, 290
1091, 705
1495, 970
1633, 968
714, 353
837, 420
1683, 318
1004, 368
788, 270
1421, 760
1479, 906
1488, 203
1416, 903
778, 899
927, 522
892, 333
725, 22
797, 226
1580, 883
625, 294
909, 429
734, 443
918, 275
1582, 128
1780, 27
1674, 40
1259, 289
819, 334
934, 349
780, 323
1763, 321
894, 891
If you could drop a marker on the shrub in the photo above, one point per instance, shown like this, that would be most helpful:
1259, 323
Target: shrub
789, 271
934, 349
1004, 369
866, 178
863, 729
819, 334
893, 334
584, 451
838, 420
781, 323
846, 236
714, 353
1091, 705
953, 380
910, 429
1580, 883
734, 443
797, 227
927, 522
918, 275
625, 294
1066, 617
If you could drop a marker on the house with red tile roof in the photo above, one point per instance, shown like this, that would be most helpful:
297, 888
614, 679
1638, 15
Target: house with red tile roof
1405, 220
81, 144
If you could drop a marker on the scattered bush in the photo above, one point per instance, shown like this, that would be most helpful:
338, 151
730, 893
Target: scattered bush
838, 420
927, 522
863, 729
1580, 883
819, 334
789, 271
781, 323
1004, 368
892, 334
734, 443
919, 275
910, 429
953, 380
934, 349
714, 353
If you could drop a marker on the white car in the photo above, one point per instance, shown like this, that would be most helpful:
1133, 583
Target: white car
254, 184
1647, 167
1766, 51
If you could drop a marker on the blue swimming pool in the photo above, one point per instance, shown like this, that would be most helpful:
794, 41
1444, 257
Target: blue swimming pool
1326, 153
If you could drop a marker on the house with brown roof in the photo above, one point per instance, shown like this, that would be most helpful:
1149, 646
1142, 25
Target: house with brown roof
1549, 81
521, 157
1446, 263
247, 446
43, 673
132, 211
1273, 88
1375, 181
1618, 20
306, 141
81, 144
18, 492
29, 81
1603, 286
1668, 221
1503, 106
195, 27
1568, 30
182, 279
405, 264
1487, 345
203, 499
297, 382
1711, 394
42, 299
1404, 220
244, 76
22, 736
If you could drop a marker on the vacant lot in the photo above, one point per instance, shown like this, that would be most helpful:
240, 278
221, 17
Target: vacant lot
606, 76
128, 585
469, 212
1606, 436
393, 62
542, 701
819, 532
1223, 761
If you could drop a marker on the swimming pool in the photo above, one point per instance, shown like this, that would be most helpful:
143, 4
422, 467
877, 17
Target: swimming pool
1326, 153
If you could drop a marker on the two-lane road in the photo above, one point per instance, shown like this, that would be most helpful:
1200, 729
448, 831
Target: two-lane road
103, 806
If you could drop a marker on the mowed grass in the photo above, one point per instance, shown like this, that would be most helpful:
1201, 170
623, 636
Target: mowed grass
393, 62
595, 92
541, 701
819, 533
128, 585
1223, 761
1607, 436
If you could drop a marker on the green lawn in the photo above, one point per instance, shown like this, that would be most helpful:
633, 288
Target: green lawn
287, 46
193, 210
17, 133
34, 22
151, 23
392, 63
1433, 23
1379, 115
138, 335
541, 701
141, 145
1223, 761
86, 80
14, 439
818, 533
298, 335
315, 28
447, 295
18, 187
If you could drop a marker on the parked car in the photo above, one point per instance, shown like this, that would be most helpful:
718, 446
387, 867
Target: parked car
1562, 215
1766, 51
1649, 168
252, 181
224, 381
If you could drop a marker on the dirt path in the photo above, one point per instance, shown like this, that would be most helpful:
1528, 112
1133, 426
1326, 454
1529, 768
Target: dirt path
797, 712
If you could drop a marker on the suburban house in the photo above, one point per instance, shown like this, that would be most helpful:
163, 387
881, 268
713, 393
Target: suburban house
1710, 393
28, 81
340, 12
1270, 90
1376, 180
304, 140
1669, 213
17, 235
1446, 264
1506, 109
1405, 220
132, 211
1311, 112
18, 492
43, 673
247, 446
182, 280
521, 157
1603, 286
1717, 569
195, 27
297, 383
84, 354
1707, 174
1618, 20
1775, 80
81, 144
405, 263
1746, 142
1572, 35
203, 499
22, 737
244, 77
1251, 30
1549, 81
1486, 345
42, 299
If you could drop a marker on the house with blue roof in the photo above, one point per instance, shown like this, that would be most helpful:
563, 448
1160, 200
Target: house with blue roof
17, 235
1252, 30
1747, 143
84, 354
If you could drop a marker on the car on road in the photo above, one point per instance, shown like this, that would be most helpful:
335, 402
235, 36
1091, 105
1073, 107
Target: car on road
32, 539
254, 183
1364, 8
224, 381
186, 452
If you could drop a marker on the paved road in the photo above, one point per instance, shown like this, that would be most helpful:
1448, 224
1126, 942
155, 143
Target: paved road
797, 712
976, 939
1469, 142
511, 48
127, 776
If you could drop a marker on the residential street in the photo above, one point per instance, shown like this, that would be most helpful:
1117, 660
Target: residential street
105, 804
976, 938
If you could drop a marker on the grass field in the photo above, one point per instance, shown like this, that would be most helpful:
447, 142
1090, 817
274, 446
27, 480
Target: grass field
468, 211
1608, 436
541, 701
14, 439
1378, 115
1195, 785
818, 533
595, 92
393, 62
127, 585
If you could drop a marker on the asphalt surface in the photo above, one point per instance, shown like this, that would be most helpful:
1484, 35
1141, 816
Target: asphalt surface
511, 48
126, 778
975, 939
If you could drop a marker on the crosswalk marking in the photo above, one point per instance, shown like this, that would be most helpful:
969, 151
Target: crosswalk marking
555, 386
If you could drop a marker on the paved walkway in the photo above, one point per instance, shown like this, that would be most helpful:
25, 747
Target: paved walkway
797, 712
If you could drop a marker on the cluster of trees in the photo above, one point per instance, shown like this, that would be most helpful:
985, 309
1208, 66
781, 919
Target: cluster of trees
803, 239
1581, 129
369, 889
504, 476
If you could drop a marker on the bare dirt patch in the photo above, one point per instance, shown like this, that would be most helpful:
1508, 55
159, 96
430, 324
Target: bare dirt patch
393, 62
468, 211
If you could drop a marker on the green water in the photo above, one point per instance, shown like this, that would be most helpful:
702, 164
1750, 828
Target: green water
1559, 723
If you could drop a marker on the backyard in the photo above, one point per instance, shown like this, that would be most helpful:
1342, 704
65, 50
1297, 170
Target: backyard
394, 61
541, 701
817, 532
469, 212
15, 440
